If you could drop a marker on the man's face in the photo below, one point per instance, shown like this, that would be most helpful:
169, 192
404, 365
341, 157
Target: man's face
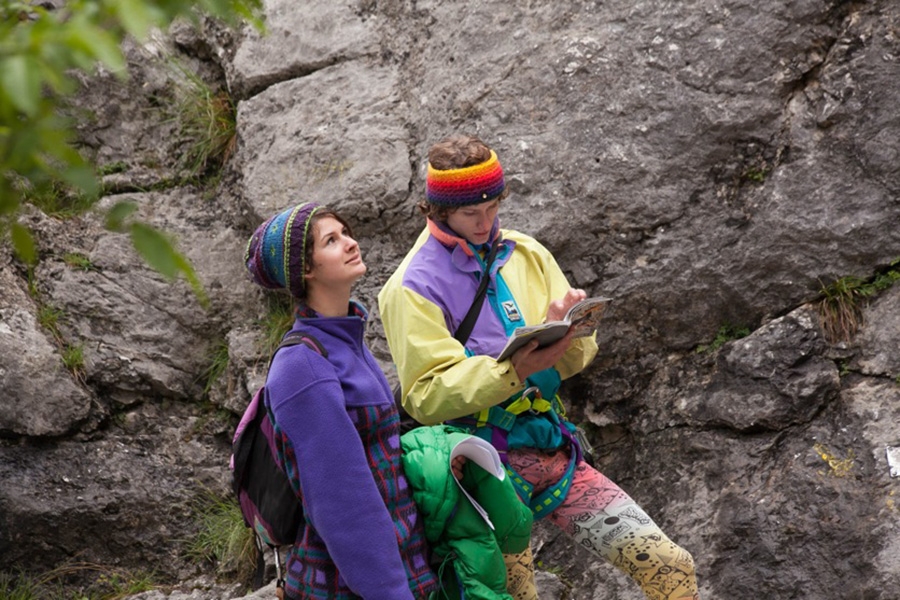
474, 222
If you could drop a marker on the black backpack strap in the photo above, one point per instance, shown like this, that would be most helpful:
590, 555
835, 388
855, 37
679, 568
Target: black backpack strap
260, 573
407, 423
292, 338
242, 451
468, 323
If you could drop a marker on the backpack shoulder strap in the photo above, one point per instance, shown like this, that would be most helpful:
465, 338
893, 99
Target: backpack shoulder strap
292, 338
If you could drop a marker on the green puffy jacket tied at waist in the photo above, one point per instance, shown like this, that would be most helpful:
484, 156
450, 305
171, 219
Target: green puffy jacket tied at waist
465, 550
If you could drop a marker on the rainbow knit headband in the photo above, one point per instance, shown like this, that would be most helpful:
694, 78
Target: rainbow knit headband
469, 185
275, 255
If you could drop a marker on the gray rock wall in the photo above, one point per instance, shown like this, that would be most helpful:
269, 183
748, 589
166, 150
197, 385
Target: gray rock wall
709, 165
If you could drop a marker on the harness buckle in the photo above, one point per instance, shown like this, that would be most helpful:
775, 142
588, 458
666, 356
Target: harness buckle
538, 404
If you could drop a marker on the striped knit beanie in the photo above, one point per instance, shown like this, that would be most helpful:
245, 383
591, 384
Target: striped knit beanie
468, 185
275, 253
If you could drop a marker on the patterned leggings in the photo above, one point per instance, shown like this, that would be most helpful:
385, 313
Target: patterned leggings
598, 515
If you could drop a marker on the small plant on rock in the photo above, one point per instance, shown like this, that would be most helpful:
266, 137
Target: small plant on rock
73, 360
840, 308
837, 467
17, 587
79, 261
61, 200
48, 317
725, 334
222, 536
112, 168
278, 320
218, 363
206, 120
106, 583
842, 301
755, 174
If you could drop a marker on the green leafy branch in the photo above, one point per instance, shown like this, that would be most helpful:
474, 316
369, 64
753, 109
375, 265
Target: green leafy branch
39, 51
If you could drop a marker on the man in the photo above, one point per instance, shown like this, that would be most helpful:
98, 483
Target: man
511, 403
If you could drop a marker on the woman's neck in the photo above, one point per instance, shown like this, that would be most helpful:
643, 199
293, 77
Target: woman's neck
329, 302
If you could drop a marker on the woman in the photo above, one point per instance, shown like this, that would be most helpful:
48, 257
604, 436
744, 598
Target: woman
336, 426
421, 306
338, 436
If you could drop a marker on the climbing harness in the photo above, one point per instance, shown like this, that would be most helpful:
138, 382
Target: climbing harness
494, 425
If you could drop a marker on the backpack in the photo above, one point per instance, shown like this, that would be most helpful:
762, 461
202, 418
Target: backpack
268, 503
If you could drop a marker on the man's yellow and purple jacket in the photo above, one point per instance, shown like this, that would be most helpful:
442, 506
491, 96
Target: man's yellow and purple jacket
424, 302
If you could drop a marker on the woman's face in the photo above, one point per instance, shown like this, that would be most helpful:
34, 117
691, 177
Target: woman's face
337, 260
474, 222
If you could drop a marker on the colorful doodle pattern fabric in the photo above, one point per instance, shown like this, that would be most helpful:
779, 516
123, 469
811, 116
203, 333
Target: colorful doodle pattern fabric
520, 575
600, 516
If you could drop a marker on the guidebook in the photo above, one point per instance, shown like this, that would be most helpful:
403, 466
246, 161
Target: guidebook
485, 456
584, 317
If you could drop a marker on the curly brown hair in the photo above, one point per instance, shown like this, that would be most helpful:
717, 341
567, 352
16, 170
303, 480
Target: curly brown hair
455, 152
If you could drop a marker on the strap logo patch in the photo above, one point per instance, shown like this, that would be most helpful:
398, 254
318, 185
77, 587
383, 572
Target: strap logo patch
512, 311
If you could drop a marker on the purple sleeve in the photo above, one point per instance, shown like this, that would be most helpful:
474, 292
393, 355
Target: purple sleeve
342, 500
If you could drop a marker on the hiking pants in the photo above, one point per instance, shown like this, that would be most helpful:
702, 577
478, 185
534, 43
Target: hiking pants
601, 517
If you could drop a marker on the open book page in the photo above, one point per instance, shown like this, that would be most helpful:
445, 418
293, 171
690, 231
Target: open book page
545, 334
485, 456
583, 316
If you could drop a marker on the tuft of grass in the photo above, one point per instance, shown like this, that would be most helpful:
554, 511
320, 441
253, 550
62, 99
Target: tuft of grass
61, 200
206, 119
755, 174
33, 291
841, 302
840, 308
73, 360
725, 334
222, 536
112, 168
108, 583
21, 586
17, 587
278, 320
49, 317
843, 367
79, 261
218, 363
120, 586
552, 569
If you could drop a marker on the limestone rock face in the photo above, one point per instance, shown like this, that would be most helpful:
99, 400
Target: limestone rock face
40, 398
772, 378
713, 167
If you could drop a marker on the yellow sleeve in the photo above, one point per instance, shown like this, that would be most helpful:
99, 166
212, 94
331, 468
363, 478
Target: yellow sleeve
439, 381
535, 279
